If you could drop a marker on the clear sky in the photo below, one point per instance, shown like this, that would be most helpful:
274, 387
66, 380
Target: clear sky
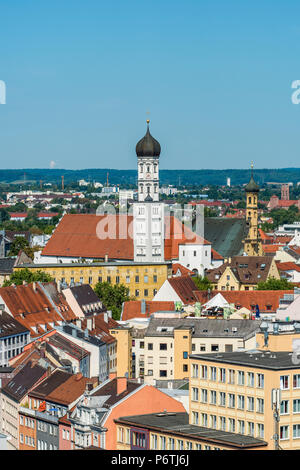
215, 76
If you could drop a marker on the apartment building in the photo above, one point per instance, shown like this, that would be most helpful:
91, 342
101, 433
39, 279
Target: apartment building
13, 338
142, 279
234, 392
172, 431
168, 342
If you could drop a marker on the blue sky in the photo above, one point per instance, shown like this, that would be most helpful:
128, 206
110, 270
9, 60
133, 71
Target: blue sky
215, 76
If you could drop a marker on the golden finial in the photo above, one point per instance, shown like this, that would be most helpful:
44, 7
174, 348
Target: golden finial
148, 120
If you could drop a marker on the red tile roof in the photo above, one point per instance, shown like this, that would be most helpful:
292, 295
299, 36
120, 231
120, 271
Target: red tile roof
101, 327
185, 288
249, 298
82, 235
31, 306
132, 308
183, 270
288, 266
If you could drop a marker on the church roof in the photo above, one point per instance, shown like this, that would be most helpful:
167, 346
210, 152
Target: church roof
148, 146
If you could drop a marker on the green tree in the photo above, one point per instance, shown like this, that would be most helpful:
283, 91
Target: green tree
275, 284
20, 243
20, 275
202, 283
112, 296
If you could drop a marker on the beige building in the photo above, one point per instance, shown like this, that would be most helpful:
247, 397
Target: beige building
124, 364
233, 392
168, 342
243, 273
142, 279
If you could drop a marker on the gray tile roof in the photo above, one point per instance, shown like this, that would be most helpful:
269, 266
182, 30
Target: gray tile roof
274, 360
178, 423
204, 327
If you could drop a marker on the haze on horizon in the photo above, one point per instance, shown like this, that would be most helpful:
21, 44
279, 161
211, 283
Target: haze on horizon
215, 76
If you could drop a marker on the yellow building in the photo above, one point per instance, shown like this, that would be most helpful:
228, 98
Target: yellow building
167, 431
235, 391
252, 243
142, 279
123, 336
243, 273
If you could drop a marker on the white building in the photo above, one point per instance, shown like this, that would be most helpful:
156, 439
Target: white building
148, 212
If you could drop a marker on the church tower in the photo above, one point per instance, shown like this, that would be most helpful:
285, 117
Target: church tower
252, 243
148, 212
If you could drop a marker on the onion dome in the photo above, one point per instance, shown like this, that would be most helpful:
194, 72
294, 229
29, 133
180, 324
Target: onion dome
252, 187
148, 146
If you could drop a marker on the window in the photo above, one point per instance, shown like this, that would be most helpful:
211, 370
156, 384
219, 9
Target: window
222, 423
137, 278
222, 397
250, 406
214, 347
180, 444
204, 372
296, 406
195, 417
213, 373
171, 443
155, 278
145, 278
260, 380
213, 397
127, 279
260, 405
250, 379
231, 424
284, 407
241, 426
150, 346
137, 292
195, 394
195, 371
163, 443
251, 429
284, 432
146, 292
153, 441
284, 382
231, 400
213, 421
203, 395
260, 430
222, 374
117, 279
204, 419
163, 373
231, 379
241, 402
163, 346
185, 355
296, 431
296, 381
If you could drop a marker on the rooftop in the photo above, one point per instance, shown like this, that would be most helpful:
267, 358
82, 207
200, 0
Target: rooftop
178, 423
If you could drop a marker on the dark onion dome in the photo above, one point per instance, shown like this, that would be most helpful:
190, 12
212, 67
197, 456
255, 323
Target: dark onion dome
148, 146
252, 187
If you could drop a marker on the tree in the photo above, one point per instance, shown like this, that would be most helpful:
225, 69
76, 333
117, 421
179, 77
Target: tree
202, 283
275, 284
112, 296
20, 243
20, 275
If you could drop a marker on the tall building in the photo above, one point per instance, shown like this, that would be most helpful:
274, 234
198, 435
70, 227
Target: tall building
252, 242
148, 212
285, 192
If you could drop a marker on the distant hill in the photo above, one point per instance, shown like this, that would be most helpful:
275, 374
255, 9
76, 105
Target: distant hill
175, 177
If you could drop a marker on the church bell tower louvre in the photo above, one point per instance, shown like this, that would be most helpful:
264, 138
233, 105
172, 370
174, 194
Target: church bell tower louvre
148, 212
252, 242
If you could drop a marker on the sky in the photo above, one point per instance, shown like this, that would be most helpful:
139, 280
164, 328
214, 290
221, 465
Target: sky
213, 76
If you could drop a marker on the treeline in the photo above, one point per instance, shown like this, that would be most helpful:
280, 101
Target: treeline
129, 177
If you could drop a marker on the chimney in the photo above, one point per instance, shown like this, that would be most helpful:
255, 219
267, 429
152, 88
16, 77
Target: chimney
78, 322
105, 316
112, 375
121, 385
109, 313
106, 258
89, 324
89, 386
78, 376
143, 306
48, 371
34, 286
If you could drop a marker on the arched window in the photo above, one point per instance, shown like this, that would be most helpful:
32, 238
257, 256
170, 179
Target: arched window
148, 168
